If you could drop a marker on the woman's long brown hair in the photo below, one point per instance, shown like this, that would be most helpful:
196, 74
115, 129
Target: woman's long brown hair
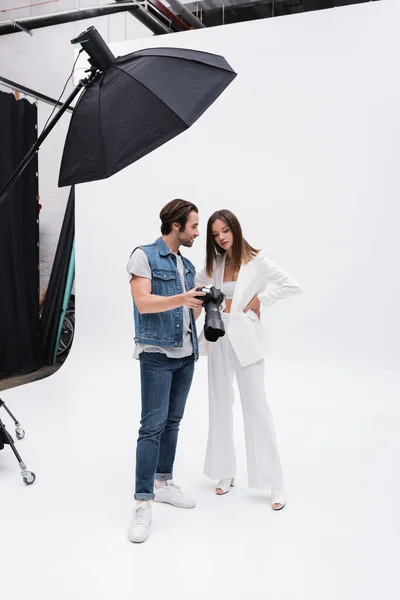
242, 252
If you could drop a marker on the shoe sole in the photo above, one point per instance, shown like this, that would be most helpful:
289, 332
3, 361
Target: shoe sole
137, 541
172, 504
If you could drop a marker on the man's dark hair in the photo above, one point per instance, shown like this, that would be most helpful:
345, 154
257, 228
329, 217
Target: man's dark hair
176, 211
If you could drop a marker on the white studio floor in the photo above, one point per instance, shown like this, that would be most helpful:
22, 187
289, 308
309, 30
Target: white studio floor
65, 536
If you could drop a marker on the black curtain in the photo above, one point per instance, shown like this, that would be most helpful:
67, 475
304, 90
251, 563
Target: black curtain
52, 307
19, 242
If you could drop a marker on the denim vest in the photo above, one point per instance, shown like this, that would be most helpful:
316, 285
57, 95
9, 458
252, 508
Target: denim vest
165, 328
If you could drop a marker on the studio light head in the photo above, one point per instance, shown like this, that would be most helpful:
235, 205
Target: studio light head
100, 55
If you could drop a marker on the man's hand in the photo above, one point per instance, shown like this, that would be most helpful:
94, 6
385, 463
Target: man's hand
190, 300
254, 305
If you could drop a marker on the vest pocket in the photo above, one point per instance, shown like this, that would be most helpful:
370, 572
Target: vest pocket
158, 327
164, 282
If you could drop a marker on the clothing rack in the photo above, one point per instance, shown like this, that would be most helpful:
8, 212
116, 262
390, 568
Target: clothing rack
38, 96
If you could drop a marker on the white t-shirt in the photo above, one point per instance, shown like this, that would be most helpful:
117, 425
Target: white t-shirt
138, 264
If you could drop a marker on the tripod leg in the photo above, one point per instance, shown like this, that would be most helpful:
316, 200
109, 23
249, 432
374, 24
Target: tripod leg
27, 476
19, 432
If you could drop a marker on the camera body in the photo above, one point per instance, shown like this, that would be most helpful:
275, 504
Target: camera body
213, 326
213, 294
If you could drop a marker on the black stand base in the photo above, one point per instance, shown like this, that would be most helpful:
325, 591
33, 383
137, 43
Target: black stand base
5, 438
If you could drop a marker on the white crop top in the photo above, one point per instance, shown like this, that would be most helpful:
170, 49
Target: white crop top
228, 287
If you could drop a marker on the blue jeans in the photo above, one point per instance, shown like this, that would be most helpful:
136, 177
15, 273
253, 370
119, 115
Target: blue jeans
165, 387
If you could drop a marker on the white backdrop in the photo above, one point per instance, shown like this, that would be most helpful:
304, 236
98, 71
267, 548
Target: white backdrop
303, 147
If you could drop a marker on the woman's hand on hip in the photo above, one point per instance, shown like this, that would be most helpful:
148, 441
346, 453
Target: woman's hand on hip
254, 305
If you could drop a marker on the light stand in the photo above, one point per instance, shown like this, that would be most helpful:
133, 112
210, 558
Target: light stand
100, 57
5, 438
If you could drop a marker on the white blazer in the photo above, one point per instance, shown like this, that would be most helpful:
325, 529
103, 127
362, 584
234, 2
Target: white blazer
260, 277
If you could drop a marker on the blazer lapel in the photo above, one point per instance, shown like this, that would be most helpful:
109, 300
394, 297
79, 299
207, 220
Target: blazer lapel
243, 280
219, 273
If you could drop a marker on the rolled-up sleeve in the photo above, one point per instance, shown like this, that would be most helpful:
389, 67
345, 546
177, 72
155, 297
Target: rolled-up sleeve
138, 264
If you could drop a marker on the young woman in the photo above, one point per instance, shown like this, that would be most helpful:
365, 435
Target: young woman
248, 278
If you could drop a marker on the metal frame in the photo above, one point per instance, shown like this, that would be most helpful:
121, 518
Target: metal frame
26, 24
17, 87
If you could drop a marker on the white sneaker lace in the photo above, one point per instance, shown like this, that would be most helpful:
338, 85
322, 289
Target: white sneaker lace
176, 490
141, 516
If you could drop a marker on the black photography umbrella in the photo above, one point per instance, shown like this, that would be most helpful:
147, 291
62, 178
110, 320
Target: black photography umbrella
130, 106
140, 102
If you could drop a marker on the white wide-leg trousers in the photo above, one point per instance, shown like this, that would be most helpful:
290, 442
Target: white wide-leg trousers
263, 463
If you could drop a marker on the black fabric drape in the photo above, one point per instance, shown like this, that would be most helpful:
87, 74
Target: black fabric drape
19, 238
3, 439
52, 307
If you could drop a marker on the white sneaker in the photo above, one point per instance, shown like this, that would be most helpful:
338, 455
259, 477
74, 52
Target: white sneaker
172, 494
139, 528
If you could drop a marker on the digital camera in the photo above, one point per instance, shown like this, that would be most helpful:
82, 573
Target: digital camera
213, 326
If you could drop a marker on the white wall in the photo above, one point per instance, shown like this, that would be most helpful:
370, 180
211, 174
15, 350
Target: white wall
43, 62
303, 146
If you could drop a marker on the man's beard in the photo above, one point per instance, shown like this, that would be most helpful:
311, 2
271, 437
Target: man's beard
186, 242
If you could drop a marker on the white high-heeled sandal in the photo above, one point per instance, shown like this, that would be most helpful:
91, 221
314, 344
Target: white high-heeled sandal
224, 485
278, 497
